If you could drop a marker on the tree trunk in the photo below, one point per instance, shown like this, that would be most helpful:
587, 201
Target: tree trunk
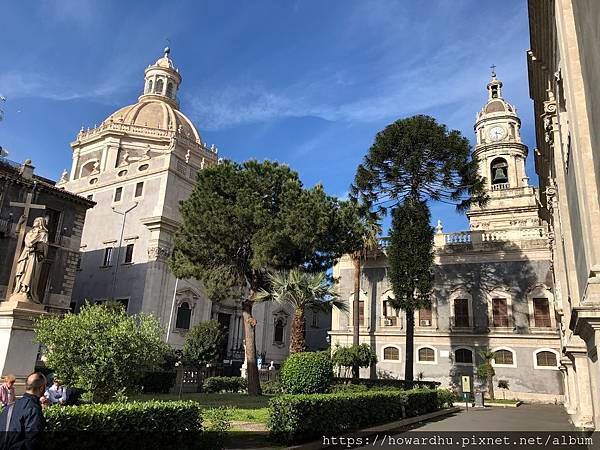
490, 381
250, 349
356, 311
297, 343
410, 347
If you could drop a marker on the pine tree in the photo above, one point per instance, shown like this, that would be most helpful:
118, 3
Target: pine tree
411, 162
410, 256
242, 222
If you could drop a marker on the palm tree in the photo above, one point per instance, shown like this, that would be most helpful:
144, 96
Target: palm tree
301, 290
369, 243
486, 371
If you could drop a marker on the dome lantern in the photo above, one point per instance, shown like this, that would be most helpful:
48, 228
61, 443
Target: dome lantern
162, 80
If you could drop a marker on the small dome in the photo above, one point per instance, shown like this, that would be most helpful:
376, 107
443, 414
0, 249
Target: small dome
154, 113
495, 106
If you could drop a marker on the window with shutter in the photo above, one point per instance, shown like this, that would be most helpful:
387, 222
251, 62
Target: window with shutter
461, 312
500, 312
541, 313
425, 317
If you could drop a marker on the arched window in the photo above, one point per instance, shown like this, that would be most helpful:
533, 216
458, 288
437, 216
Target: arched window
504, 357
546, 359
426, 355
499, 171
158, 88
184, 314
169, 90
463, 356
149, 86
278, 334
391, 354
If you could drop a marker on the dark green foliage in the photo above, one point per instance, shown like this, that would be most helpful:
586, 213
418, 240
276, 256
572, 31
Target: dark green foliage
271, 387
147, 425
244, 219
158, 382
360, 355
133, 416
348, 388
412, 161
224, 384
446, 397
297, 418
203, 343
383, 383
410, 254
102, 350
306, 373
420, 159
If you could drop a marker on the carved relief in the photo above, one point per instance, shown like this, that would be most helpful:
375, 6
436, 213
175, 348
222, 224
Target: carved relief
158, 253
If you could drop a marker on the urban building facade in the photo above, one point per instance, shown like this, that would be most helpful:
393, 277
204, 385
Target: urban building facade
564, 71
493, 284
138, 165
64, 215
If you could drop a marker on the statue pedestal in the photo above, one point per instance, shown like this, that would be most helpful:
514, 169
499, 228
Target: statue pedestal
18, 351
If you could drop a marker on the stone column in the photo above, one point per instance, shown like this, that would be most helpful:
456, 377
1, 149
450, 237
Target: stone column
18, 351
584, 416
570, 389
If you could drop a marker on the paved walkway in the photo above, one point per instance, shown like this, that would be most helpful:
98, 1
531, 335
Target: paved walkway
514, 423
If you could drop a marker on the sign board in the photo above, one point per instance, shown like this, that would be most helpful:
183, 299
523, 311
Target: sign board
444, 353
466, 383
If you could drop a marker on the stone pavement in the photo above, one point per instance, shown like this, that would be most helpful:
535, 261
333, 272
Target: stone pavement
477, 421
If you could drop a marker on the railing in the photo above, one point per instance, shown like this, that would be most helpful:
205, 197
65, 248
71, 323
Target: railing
461, 237
500, 186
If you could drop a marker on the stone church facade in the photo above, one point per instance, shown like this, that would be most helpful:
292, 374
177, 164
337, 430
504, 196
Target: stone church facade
137, 166
564, 72
493, 284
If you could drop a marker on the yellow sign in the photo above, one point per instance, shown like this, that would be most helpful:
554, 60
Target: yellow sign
466, 383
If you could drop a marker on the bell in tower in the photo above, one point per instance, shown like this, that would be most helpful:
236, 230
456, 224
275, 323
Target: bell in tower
499, 169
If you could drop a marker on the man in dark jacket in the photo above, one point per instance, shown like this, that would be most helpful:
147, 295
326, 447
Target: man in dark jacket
22, 422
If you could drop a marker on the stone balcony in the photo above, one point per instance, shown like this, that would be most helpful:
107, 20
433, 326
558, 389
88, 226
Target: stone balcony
482, 240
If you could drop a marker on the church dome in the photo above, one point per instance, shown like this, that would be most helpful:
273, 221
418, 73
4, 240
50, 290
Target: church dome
158, 114
157, 109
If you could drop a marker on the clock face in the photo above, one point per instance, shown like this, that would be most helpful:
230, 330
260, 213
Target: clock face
497, 133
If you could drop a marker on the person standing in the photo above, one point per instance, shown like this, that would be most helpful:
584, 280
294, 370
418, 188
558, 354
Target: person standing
7, 390
23, 421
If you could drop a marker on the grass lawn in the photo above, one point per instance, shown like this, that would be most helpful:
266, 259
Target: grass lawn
244, 408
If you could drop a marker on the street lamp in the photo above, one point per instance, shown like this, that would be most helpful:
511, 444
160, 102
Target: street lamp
124, 214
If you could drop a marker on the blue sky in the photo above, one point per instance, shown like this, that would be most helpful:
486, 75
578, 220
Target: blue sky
305, 82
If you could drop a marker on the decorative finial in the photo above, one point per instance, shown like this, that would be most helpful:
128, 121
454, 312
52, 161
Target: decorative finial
439, 228
167, 51
493, 67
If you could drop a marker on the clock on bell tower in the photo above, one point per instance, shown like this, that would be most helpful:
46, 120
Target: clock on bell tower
501, 155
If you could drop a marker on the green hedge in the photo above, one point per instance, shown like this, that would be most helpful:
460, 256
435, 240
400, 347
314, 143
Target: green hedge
224, 384
148, 425
296, 418
134, 416
306, 373
374, 383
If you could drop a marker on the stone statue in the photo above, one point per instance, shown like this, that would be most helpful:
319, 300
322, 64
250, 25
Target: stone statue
30, 262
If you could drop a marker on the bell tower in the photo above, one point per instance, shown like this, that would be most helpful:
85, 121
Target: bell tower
501, 155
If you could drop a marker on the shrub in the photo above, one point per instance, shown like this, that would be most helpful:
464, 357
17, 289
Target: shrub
378, 383
306, 373
295, 418
337, 388
446, 397
224, 384
158, 382
203, 343
271, 387
101, 347
362, 355
152, 424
